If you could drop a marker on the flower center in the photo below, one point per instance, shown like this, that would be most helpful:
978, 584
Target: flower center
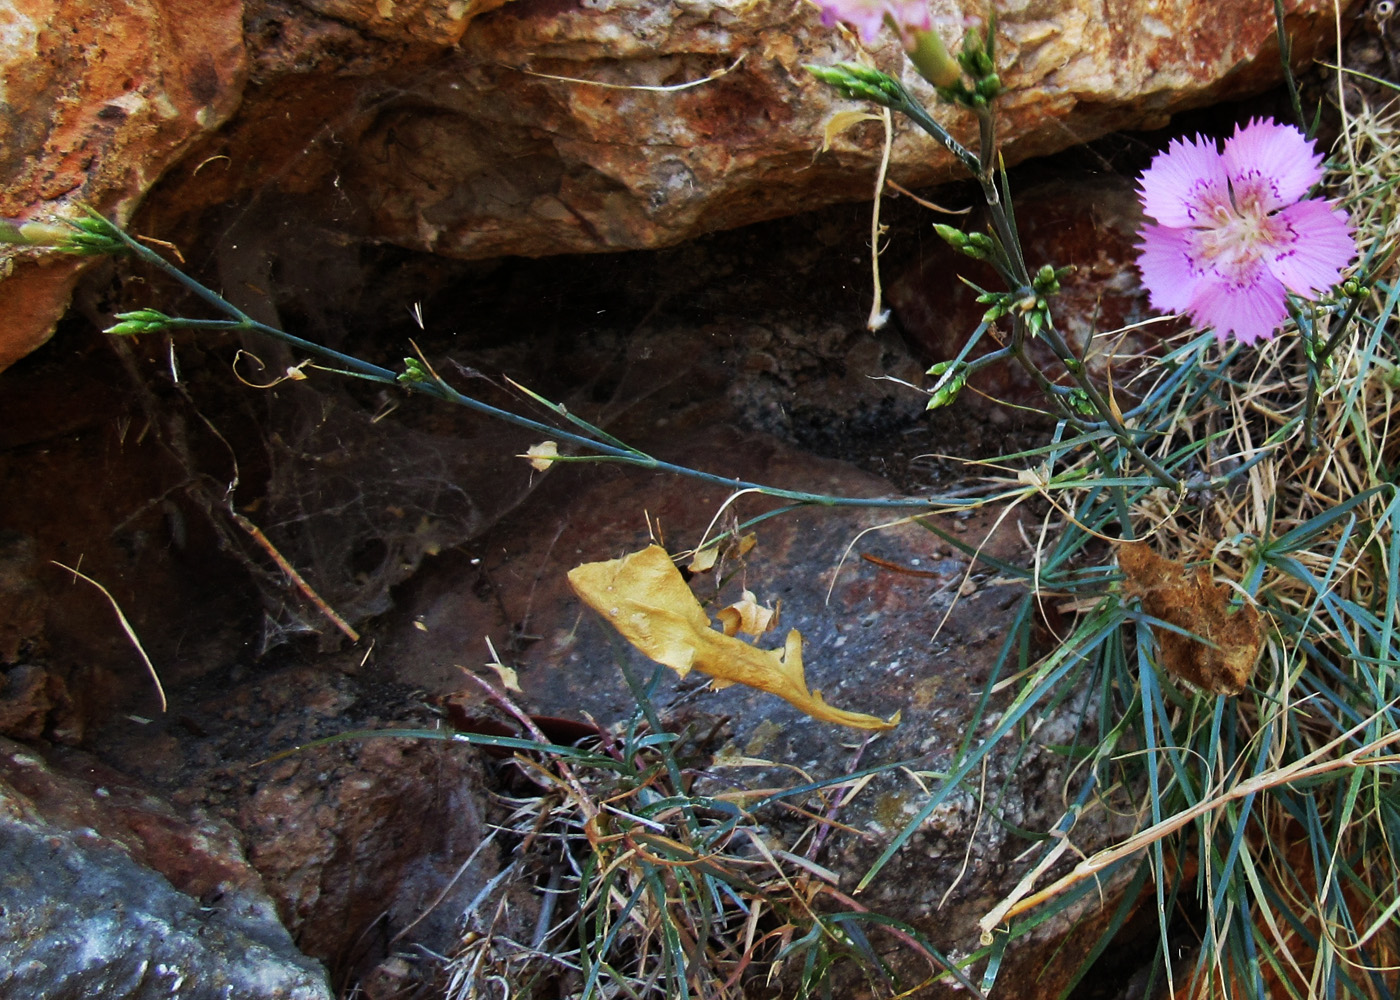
1238, 235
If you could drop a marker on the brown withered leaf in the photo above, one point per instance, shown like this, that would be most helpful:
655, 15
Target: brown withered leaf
1188, 598
643, 596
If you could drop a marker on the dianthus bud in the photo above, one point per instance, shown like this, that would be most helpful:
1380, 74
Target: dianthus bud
37, 234
932, 60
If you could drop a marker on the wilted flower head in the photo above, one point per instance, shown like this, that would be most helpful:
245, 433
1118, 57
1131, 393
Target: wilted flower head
1234, 234
867, 16
915, 24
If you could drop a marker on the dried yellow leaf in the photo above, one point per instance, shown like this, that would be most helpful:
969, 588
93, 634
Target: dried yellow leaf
704, 560
840, 122
643, 596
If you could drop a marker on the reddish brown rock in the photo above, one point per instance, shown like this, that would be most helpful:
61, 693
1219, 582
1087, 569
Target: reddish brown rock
491, 156
358, 842
466, 130
35, 702
95, 109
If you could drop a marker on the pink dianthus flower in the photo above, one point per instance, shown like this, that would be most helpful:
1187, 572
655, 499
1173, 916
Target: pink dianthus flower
1234, 234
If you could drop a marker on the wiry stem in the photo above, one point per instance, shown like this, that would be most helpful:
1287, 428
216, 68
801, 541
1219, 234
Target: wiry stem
438, 389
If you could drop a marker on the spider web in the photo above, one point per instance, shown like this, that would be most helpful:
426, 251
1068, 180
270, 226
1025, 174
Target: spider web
357, 504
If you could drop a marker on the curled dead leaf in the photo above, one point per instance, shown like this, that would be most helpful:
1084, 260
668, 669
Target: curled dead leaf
1187, 597
748, 616
643, 596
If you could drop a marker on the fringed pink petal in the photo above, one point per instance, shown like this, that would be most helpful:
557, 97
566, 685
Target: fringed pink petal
1313, 244
1169, 268
1249, 306
911, 15
1271, 165
868, 16
1185, 185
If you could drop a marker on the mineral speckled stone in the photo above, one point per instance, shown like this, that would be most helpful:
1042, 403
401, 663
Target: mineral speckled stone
84, 918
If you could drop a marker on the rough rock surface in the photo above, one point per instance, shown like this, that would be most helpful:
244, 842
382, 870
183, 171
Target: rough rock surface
438, 125
687, 353
487, 155
107, 892
95, 108
918, 634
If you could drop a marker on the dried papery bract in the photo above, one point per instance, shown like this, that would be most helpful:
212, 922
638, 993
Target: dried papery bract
643, 596
1187, 598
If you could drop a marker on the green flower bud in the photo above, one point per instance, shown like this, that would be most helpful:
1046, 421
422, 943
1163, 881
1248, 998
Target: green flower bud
975, 57
141, 321
34, 234
979, 246
414, 371
932, 61
1080, 402
860, 83
955, 238
1044, 282
93, 236
948, 390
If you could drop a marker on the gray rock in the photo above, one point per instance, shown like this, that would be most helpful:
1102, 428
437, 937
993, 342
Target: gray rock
81, 917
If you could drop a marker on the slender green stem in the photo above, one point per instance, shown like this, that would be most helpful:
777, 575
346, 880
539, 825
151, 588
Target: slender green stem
439, 389
1335, 340
1311, 394
1081, 376
1285, 53
1000, 354
916, 113
981, 167
996, 209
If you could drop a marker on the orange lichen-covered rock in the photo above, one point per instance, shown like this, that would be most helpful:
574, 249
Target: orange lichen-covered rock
95, 109
474, 128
